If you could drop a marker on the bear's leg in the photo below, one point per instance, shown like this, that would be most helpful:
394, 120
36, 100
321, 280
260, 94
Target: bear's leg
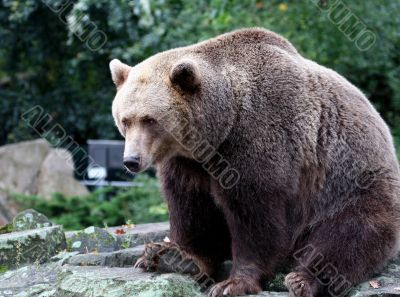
248, 271
260, 240
200, 239
343, 251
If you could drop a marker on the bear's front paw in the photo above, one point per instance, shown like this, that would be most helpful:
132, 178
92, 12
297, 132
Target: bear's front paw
168, 257
299, 284
235, 286
150, 259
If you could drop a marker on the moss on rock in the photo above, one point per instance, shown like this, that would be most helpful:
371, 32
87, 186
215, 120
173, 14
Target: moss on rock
6, 229
93, 239
32, 246
30, 219
119, 282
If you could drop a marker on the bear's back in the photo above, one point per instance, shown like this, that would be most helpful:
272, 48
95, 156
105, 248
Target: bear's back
244, 38
316, 115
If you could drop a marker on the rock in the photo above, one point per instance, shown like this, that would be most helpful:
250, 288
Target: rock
110, 273
142, 234
20, 164
30, 281
389, 290
124, 258
270, 294
33, 280
121, 282
388, 280
54, 280
121, 258
63, 257
31, 246
91, 259
18, 171
57, 176
51, 280
94, 239
30, 219
49, 171
8, 207
139, 235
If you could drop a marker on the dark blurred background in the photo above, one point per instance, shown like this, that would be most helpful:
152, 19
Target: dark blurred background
56, 53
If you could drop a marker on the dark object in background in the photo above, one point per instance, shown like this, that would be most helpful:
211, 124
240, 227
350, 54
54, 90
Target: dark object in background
105, 164
106, 153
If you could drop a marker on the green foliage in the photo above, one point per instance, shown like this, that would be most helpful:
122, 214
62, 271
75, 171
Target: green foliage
138, 204
277, 283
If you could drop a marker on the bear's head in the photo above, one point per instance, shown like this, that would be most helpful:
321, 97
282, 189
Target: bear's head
170, 104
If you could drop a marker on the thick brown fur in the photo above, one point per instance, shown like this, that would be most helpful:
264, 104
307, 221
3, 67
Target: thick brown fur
319, 179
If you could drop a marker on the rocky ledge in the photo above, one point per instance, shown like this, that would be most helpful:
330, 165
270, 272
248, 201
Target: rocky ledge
40, 260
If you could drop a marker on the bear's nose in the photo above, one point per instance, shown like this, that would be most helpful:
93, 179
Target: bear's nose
132, 163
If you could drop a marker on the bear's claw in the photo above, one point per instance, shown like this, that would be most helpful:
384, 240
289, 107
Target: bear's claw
168, 257
235, 286
150, 259
298, 284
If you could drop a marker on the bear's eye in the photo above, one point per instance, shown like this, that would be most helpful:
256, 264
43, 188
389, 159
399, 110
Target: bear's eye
148, 120
125, 122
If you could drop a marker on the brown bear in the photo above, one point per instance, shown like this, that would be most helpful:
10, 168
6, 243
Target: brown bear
265, 158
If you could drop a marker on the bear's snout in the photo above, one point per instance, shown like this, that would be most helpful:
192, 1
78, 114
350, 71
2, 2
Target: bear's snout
132, 163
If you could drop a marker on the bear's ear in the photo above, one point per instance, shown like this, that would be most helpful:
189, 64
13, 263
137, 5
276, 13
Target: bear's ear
119, 72
186, 75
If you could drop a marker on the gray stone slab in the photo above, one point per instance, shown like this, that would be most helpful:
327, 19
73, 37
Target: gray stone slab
31, 246
30, 219
120, 282
94, 238
32, 281
143, 234
121, 258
